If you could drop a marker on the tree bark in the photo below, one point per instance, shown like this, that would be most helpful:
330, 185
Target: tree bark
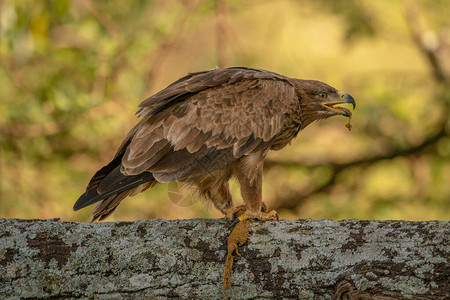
306, 259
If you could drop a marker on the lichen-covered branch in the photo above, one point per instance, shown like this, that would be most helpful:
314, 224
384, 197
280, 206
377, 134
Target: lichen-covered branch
308, 259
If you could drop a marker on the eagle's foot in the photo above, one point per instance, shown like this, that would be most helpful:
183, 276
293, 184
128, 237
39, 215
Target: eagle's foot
237, 238
263, 216
235, 211
240, 210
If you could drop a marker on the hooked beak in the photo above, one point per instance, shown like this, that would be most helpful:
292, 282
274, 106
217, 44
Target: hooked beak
345, 98
349, 99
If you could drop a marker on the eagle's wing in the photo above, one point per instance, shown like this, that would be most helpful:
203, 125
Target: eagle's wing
196, 82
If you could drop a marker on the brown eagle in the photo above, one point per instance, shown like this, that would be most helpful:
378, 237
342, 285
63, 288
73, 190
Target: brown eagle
210, 126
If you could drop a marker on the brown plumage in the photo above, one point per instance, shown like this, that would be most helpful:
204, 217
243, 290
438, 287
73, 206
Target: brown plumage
210, 126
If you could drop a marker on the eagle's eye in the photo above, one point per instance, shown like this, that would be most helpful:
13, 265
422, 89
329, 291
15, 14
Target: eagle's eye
323, 95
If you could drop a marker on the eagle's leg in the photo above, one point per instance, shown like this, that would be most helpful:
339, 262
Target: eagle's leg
222, 199
215, 188
249, 172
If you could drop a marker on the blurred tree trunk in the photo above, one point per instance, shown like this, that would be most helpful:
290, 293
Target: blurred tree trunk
349, 259
222, 24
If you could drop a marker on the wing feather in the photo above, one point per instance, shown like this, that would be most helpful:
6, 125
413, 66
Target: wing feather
186, 138
198, 142
135, 165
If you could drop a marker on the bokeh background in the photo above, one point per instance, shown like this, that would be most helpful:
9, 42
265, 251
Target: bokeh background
73, 72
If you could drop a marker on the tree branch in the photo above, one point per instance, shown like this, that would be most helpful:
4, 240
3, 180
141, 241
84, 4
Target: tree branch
428, 43
337, 168
185, 259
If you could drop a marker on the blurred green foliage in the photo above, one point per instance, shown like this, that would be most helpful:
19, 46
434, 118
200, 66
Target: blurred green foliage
73, 72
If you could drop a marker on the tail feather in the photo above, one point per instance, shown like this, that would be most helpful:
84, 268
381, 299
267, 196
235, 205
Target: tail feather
106, 170
107, 206
115, 184
110, 186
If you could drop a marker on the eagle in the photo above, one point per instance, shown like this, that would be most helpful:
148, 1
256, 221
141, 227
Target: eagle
208, 127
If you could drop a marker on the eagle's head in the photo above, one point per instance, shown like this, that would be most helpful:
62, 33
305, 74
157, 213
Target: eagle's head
318, 101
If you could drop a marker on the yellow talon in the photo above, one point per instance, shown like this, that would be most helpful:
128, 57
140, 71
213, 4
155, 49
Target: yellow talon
263, 216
